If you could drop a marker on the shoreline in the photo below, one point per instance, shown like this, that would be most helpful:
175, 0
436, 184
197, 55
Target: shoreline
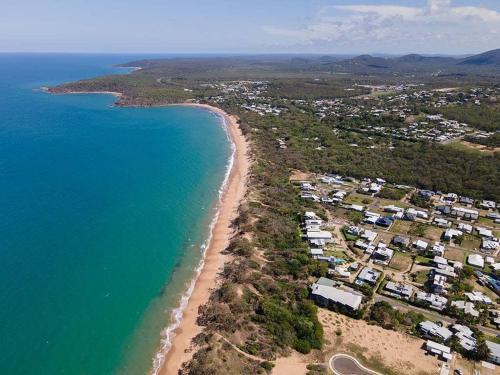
180, 349
176, 338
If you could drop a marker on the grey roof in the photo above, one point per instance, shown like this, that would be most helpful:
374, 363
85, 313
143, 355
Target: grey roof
494, 349
433, 329
325, 282
369, 274
337, 295
399, 288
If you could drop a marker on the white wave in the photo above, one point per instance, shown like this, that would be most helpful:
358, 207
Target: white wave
168, 334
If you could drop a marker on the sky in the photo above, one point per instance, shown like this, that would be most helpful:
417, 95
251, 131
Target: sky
251, 26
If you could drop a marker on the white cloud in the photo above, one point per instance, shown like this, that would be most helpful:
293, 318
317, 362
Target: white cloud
439, 26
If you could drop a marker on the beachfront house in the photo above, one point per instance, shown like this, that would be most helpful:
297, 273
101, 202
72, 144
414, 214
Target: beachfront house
442, 351
324, 293
432, 330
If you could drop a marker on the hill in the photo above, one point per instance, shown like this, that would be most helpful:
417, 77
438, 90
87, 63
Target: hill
486, 58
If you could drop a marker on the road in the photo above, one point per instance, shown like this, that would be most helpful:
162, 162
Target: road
344, 364
430, 314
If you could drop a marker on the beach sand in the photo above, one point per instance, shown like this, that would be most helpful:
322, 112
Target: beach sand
181, 349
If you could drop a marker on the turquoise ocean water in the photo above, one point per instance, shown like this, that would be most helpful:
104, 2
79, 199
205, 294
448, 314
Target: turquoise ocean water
102, 214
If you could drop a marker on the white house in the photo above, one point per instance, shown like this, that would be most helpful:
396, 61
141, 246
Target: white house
475, 260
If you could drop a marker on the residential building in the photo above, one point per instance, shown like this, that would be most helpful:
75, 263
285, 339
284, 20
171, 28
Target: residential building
324, 295
475, 260
467, 307
440, 350
494, 356
399, 289
368, 275
432, 330
435, 301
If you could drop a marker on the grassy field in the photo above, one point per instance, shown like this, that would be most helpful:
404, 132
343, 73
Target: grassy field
400, 261
401, 226
355, 198
421, 277
471, 242
455, 254
424, 261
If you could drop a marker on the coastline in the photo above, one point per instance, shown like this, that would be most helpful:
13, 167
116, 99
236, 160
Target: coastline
176, 338
179, 348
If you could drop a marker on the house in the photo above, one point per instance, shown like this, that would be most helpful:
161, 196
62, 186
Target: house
384, 221
489, 246
342, 272
399, 289
409, 217
374, 188
488, 205
382, 254
479, 297
420, 245
319, 235
309, 215
309, 196
466, 201
368, 275
465, 337
435, 301
438, 261
324, 295
464, 213
437, 249
467, 228
430, 330
440, 350
494, 356
475, 260
438, 284
316, 252
467, 307
449, 234
440, 222
306, 186
446, 271
484, 232
371, 217
353, 230
356, 207
393, 209
418, 213
369, 235
401, 241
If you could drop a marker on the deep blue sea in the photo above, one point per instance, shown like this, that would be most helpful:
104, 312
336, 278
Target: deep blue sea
102, 214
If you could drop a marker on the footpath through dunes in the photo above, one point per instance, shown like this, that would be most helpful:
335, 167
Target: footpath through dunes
343, 364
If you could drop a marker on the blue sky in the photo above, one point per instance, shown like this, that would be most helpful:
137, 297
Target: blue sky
250, 26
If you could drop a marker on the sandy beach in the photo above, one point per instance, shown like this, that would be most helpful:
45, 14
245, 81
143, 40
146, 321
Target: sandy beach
214, 259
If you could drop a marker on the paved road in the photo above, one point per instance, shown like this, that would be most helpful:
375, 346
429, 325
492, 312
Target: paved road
430, 314
343, 364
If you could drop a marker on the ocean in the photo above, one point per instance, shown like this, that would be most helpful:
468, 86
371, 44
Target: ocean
103, 216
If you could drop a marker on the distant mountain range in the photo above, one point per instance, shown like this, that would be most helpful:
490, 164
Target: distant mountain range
416, 63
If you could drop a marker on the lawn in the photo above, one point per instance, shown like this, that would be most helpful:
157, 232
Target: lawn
400, 261
471, 242
400, 226
354, 198
424, 261
455, 254
422, 277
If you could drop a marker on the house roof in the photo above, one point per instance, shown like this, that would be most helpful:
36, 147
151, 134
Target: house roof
337, 295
